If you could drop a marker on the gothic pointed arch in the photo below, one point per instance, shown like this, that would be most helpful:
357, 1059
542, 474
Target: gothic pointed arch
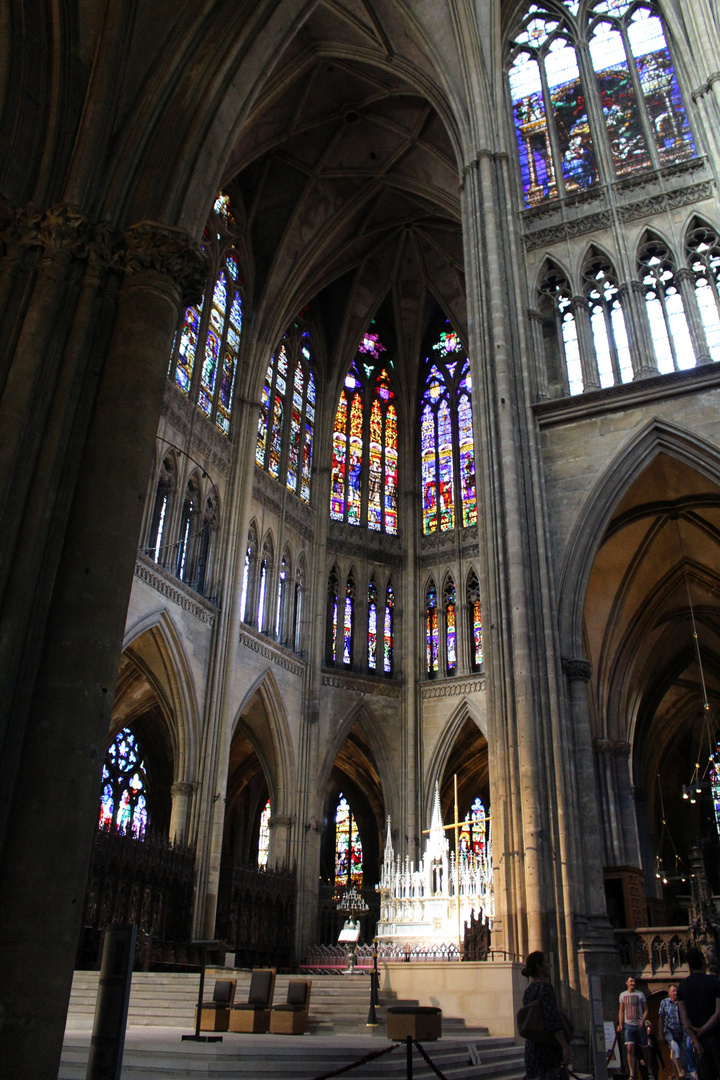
466, 724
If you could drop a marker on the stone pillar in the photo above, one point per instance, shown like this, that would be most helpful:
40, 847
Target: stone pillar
538, 346
637, 324
280, 826
586, 343
181, 794
686, 280
69, 701
621, 837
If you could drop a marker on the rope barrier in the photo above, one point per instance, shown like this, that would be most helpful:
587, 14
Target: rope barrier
361, 1061
428, 1061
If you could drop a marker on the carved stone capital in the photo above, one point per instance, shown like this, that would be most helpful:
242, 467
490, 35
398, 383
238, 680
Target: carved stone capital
632, 286
170, 252
577, 669
534, 315
612, 748
281, 821
182, 787
59, 230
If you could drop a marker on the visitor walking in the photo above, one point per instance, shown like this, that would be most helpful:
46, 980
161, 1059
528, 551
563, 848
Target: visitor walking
699, 1007
631, 1021
545, 1060
671, 1030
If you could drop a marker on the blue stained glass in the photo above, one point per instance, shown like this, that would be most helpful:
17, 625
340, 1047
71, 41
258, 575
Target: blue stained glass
220, 292
388, 644
619, 104
431, 631
372, 626
236, 312
188, 346
347, 628
660, 88
571, 121
232, 267
429, 470
531, 131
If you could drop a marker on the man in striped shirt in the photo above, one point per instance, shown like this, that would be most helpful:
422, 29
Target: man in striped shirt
631, 1021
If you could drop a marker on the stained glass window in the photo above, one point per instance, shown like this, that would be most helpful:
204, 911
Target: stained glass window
450, 627
298, 609
264, 835
703, 250
286, 421
388, 631
348, 622
635, 89
363, 486
123, 803
475, 614
280, 613
204, 360
432, 635
333, 616
348, 847
473, 831
666, 313
248, 573
372, 625
715, 786
158, 547
447, 453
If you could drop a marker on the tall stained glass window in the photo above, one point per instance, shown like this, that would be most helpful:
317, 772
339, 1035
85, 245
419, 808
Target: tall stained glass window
389, 631
333, 617
205, 356
348, 622
473, 831
447, 453
432, 633
123, 803
364, 477
372, 625
475, 622
264, 835
621, 45
286, 422
450, 627
715, 786
348, 847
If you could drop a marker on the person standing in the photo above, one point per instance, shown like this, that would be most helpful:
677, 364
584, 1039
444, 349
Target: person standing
699, 1007
631, 1021
671, 1030
547, 1060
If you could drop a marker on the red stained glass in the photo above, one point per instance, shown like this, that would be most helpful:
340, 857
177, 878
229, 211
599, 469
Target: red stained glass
123, 803
374, 466
355, 460
337, 495
468, 493
431, 631
477, 634
429, 470
388, 631
391, 471
450, 630
445, 460
348, 847
261, 445
295, 429
188, 348
372, 626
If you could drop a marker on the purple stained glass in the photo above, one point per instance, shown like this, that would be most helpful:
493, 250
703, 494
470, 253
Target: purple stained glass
348, 847
355, 458
531, 131
347, 627
210, 365
388, 642
446, 494
371, 345
467, 462
261, 445
188, 347
431, 631
429, 470
123, 803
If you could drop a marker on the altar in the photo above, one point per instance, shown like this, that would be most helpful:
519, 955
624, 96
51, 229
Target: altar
430, 905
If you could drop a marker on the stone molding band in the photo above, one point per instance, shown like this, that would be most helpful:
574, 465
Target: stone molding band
577, 669
63, 231
612, 748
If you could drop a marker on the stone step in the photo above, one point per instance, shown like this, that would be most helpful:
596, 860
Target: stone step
274, 1058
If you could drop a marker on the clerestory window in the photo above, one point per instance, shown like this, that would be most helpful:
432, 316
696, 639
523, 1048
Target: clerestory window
447, 451
594, 96
205, 356
287, 413
364, 478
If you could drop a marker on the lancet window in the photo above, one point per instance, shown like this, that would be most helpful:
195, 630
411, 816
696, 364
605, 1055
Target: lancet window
264, 835
157, 544
365, 444
348, 847
296, 637
281, 611
286, 424
381, 632
389, 631
123, 803
432, 632
555, 303
473, 831
265, 569
205, 356
702, 246
372, 625
248, 578
475, 622
333, 616
664, 305
607, 321
447, 452
451, 641
594, 96
348, 623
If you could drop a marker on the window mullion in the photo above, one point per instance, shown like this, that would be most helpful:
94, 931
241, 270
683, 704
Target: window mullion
640, 97
596, 119
614, 358
668, 328
203, 328
550, 114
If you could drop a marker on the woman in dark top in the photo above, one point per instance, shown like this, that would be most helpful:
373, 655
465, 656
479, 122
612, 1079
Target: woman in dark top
544, 1060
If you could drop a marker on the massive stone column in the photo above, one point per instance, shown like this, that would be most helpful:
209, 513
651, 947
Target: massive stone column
98, 434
